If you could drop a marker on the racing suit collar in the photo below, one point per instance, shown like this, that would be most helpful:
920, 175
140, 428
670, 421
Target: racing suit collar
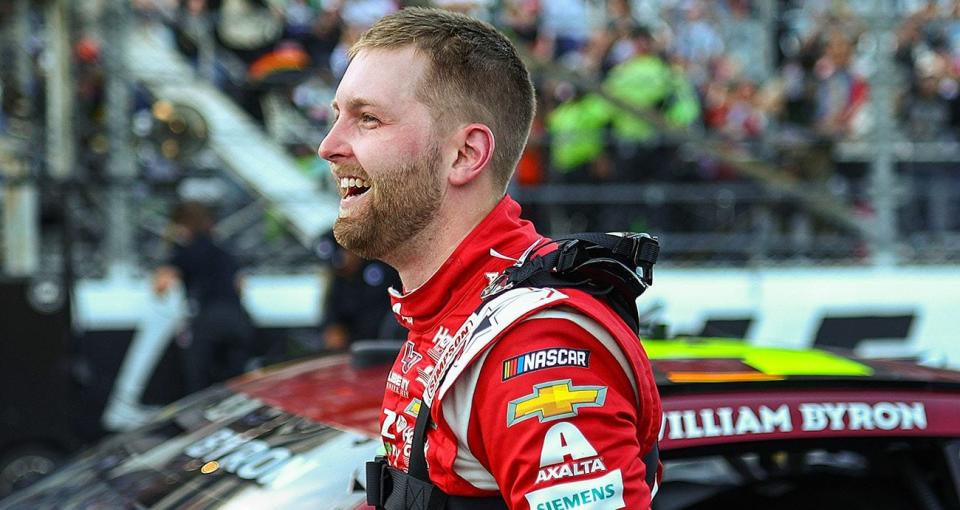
494, 244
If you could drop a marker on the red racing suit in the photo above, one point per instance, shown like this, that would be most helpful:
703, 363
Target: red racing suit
548, 398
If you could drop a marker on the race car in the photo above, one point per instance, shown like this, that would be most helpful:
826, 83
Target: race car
744, 427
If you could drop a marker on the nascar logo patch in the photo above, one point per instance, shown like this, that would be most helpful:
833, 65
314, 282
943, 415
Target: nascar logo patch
545, 358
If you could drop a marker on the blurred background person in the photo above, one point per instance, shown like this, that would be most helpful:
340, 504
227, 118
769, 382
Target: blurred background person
219, 339
357, 304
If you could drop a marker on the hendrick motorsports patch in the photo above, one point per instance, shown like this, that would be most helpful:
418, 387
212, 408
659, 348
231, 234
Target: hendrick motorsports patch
545, 358
554, 400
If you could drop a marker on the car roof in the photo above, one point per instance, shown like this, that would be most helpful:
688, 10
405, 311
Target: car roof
713, 392
687, 364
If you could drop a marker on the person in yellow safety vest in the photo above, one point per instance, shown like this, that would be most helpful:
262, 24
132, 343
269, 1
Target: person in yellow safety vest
647, 82
583, 128
577, 129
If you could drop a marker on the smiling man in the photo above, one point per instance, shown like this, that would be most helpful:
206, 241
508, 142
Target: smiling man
534, 398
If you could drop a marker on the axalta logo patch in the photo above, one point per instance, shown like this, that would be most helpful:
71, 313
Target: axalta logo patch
566, 452
554, 400
545, 358
603, 493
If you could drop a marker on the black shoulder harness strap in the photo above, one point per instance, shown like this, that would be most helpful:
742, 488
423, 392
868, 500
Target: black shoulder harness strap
617, 268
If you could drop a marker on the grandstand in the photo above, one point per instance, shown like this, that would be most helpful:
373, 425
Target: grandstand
776, 132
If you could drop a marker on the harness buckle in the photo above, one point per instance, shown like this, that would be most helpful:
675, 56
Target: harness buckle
567, 256
497, 285
379, 483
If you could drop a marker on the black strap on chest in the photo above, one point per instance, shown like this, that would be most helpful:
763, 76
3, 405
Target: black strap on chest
616, 268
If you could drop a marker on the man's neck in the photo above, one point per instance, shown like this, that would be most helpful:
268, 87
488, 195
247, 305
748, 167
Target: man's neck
421, 256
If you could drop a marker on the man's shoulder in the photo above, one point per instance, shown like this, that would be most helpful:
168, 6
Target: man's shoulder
563, 325
578, 306
512, 312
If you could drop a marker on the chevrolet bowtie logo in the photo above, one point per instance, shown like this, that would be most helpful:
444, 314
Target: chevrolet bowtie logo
554, 400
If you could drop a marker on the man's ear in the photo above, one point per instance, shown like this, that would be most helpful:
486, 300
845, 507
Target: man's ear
474, 153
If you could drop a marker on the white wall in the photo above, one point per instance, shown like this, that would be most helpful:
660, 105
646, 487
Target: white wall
786, 305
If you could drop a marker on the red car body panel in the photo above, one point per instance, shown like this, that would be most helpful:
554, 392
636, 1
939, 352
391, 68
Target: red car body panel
326, 390
298, 434
723, 418
742, 408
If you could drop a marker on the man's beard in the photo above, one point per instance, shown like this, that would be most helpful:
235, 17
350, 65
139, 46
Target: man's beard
402, 202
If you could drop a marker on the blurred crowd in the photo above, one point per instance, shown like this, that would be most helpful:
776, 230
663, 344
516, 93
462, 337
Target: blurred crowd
630, 91
625, 83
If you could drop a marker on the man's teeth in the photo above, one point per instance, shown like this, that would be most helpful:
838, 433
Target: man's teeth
350, 182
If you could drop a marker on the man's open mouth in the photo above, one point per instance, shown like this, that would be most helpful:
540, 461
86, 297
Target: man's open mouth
352, 187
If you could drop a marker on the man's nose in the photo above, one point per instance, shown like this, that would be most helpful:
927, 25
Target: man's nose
334, 146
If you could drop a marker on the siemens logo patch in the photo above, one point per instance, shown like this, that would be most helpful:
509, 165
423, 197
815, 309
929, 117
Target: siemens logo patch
603, 493
545, 358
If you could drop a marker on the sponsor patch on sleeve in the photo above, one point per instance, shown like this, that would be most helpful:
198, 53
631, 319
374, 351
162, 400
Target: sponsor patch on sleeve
545, 358
554, 400
567, 453
603, 493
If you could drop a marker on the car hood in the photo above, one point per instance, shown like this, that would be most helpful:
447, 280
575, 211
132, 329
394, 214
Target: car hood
301, 445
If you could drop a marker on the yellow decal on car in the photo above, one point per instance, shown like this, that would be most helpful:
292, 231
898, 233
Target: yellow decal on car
771, 363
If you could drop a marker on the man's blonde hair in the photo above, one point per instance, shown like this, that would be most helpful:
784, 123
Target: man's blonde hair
475, 75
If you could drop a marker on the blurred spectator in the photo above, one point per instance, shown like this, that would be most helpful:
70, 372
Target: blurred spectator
927, 110
697, 41
927, 113
578, 128
299, 19
840, 94
357, 306
735, 110
614, 44
743, 35
647, 83
218, 342
564, 29
521, 18
324, 37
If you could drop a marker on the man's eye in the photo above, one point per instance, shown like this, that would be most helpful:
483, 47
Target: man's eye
369, 119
